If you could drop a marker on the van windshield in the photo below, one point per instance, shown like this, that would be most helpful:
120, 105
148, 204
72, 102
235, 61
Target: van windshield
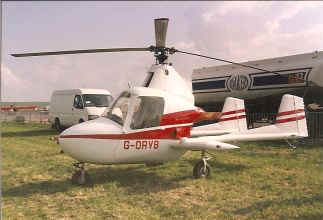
97, 100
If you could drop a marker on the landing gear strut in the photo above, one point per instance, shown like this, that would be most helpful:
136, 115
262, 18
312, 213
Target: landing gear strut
202, 169
80, 177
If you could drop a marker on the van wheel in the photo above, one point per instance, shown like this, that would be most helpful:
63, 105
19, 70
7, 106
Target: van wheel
81, 120
57, 125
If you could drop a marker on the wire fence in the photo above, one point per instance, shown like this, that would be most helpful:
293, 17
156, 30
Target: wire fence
254, 120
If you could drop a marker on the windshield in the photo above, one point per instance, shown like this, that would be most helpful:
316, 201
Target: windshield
119, 110
97, 100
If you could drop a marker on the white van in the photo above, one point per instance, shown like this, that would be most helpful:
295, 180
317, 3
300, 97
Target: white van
70, 107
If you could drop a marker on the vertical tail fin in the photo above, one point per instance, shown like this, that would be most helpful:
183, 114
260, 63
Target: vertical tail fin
233, 115
233, 119
290, 124
291, 115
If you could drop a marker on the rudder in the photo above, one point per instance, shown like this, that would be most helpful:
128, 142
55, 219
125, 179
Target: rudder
234, 114
291, 115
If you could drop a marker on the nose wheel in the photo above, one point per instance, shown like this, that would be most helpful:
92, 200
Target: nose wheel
80, 176
202, 169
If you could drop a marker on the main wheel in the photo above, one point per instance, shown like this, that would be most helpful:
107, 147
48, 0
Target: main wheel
80, 177
57, 125
199, 171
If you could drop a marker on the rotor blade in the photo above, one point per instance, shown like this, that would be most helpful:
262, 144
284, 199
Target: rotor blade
160, 31
80, 51
239, 64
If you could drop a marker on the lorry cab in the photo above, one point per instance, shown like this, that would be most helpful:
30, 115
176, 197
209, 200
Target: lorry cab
70, 107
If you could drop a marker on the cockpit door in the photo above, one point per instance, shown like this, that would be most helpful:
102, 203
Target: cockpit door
145, 112
142, 145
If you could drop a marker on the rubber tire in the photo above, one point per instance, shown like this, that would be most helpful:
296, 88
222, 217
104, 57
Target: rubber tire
57, 125
198, 170
81, 121
76, 178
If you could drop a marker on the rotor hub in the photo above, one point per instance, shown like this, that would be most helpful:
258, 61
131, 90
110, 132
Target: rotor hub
162, 53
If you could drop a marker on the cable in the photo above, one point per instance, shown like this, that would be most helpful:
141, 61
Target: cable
239, 64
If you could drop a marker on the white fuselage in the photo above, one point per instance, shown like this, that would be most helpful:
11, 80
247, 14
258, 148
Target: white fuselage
117, 139
115, 146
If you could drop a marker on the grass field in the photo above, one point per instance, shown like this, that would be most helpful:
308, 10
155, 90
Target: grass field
266, 180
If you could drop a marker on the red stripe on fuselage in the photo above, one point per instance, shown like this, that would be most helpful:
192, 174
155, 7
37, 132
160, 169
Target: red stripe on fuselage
182, 117
167, 133
190, 116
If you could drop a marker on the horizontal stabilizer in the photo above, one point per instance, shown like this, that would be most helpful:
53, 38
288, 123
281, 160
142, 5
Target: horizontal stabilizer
290, 124
203, 144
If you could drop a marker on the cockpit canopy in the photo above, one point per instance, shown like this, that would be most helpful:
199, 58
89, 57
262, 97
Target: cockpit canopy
148, 111
143, 111
142, 108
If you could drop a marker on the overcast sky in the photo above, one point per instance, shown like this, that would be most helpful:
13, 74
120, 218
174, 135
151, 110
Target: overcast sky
238, 31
